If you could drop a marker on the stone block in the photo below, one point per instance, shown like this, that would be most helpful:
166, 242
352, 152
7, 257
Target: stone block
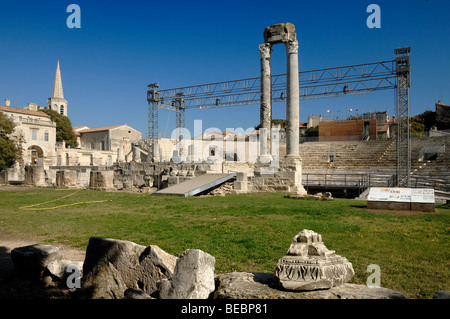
31, 261
240, 186
66, 178
193, 277
111, 266
279, 33
101, 180
173, 180
241, 177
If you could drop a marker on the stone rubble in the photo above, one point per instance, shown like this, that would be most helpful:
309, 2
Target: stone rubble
111, 266
193, 277
118, 269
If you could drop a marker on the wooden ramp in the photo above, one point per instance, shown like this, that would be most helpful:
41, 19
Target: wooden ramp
196, 185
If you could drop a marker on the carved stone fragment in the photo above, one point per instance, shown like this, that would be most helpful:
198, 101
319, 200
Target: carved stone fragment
309, 265
279, 33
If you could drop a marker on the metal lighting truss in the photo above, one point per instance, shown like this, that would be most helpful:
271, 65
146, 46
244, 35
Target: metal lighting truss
353, 79
321, 83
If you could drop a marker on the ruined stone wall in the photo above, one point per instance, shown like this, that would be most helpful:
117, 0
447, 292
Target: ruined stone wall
241, 151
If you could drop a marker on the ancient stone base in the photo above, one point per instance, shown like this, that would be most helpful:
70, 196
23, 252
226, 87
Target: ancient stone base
284, 175
101, 180
244, 285
67, 178
309, 265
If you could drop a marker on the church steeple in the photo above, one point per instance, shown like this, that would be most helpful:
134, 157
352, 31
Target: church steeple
57, 102
57, 84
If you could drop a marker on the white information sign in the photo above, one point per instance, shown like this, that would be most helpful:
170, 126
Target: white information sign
404, 195
419, 195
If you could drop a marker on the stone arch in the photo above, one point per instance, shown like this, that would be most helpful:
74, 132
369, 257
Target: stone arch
36, 155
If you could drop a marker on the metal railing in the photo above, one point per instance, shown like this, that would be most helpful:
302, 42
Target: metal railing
337, 180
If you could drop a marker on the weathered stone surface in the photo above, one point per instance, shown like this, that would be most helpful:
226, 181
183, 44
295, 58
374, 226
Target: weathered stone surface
132, 293
31, 261
309, 265
3, 177
193, 277
279, 33
58, 268
244, 285
66, 178
134, 265
105, 283
441, 294
101, 180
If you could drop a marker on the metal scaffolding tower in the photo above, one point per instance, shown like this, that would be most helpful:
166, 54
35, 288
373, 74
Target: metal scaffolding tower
403, 71
154, 100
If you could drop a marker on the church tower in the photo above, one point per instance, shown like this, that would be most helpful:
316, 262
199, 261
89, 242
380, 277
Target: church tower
57, 102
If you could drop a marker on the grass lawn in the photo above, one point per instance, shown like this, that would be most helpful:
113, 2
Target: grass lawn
243, 232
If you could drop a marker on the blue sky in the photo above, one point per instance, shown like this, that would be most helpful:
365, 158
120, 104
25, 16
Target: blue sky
122, 46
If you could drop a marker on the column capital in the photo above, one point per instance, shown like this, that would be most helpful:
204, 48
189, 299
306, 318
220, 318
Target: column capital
265, 50
291, 46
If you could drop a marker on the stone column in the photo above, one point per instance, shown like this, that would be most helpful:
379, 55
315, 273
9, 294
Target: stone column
292, 103
265, 51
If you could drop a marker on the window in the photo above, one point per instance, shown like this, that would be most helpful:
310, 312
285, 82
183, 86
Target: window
20, 118
61, 110
34, 135
46, 136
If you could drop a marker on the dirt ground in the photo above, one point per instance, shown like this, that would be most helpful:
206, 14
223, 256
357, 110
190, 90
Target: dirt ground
13, 287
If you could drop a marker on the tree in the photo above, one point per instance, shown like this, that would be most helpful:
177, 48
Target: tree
423, 122
312, 131
64, 130
10, 150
